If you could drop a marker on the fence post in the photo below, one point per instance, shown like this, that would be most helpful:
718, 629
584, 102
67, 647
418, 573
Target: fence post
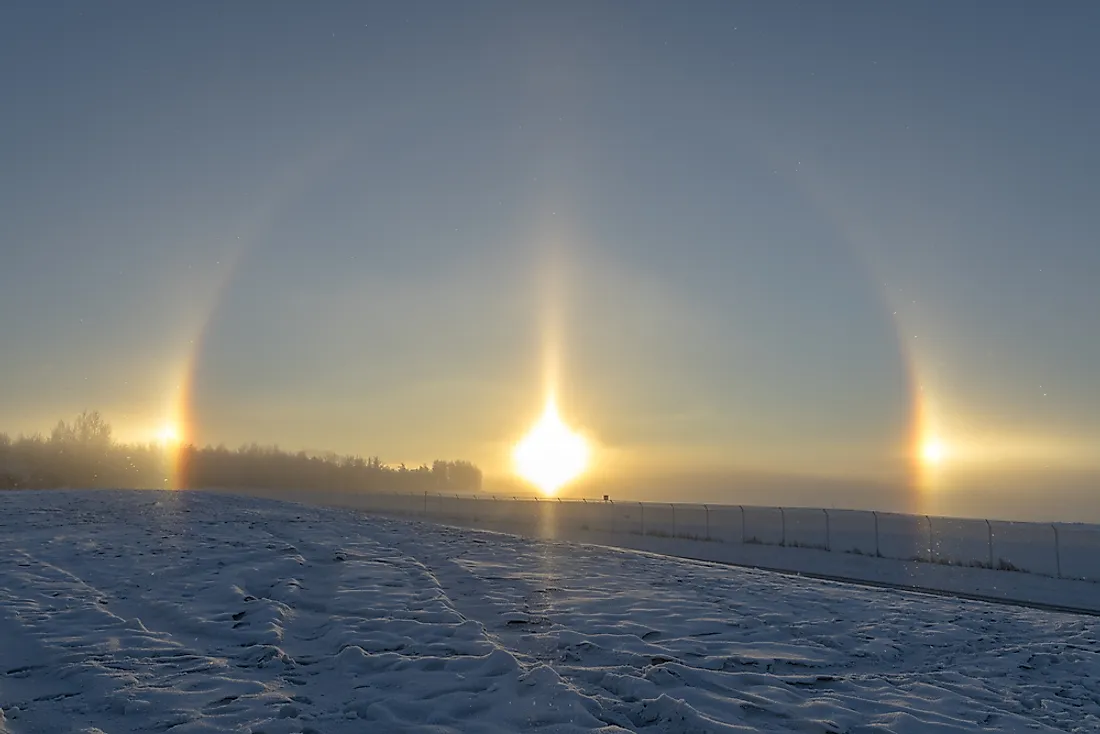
783, 525
828, 541
878, 548
1057, 550
931, 552
673, 519
989, 527
707, 521
641, 517
742, 524
425, 502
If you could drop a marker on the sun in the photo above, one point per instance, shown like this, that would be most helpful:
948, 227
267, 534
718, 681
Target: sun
551, 455
168, 435
933, 451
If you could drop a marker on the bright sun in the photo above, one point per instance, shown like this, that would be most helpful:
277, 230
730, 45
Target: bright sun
933, 451
168, 435
550, 455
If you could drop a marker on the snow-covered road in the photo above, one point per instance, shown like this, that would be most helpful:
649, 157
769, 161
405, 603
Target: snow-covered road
186, 612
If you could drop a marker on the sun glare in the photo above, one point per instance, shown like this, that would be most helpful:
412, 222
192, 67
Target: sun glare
933, 451
551, 455
168, 435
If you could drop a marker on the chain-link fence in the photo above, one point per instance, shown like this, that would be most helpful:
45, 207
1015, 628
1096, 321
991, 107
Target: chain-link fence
1062, 550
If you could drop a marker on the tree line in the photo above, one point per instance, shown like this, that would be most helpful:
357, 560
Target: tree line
83, 454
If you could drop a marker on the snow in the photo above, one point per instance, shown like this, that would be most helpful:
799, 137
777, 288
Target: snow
1061, 550
845, 546
195, 612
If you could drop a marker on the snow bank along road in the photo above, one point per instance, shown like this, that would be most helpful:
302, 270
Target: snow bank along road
188, 612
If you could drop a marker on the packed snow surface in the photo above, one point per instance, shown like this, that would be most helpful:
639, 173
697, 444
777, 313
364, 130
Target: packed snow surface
188, 612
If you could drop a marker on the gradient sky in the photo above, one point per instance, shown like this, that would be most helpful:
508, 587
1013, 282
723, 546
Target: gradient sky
769, 238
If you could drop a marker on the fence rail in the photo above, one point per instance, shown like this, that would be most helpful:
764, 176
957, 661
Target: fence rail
1059, 550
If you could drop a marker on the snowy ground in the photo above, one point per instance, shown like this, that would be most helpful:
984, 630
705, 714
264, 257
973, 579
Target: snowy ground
617, 525
185, 612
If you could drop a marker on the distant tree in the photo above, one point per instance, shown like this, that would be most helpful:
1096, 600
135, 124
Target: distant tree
464, 476
91, 430
62, 434
354, 462
82, 454
8, 479
88, 430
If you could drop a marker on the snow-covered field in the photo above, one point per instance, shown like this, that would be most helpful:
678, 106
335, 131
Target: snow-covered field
679, 531
185, 612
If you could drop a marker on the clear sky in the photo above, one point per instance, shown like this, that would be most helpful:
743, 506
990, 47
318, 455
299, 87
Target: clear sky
744, 241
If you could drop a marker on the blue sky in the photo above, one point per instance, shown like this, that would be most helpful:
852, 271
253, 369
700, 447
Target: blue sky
771, 233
